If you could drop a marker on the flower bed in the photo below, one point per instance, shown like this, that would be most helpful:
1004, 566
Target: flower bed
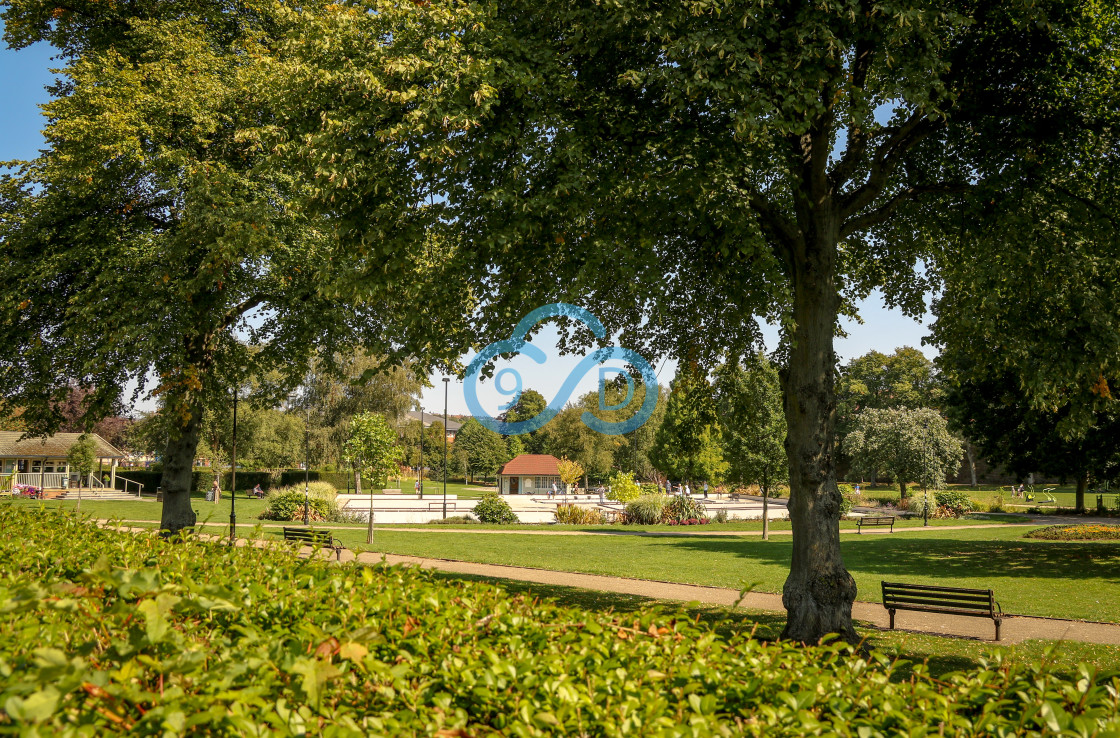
104, 633
1080, 532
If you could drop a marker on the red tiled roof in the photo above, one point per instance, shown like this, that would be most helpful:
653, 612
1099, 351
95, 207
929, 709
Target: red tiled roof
532, 465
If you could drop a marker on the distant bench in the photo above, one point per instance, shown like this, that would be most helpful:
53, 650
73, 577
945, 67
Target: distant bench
874, 521
976, 603
314, 537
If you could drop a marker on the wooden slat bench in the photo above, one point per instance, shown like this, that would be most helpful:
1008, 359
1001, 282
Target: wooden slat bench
314, 536
976, 603
874, 520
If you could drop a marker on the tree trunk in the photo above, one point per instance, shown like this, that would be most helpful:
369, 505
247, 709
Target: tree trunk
819, 592
1079, 495
902, 489
178, 464
971, 463
766, 513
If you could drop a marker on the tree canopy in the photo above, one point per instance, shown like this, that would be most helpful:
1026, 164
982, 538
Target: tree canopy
908, 445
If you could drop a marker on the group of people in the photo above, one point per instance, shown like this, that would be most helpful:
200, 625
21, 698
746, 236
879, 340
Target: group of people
682, 489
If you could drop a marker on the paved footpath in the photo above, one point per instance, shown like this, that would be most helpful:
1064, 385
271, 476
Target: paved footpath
1016, 628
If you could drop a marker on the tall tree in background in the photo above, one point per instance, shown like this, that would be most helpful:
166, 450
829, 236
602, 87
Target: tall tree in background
749, 406
688, 444
908, 445
484, 450
349, 385
529, 405
903, 379
156, 221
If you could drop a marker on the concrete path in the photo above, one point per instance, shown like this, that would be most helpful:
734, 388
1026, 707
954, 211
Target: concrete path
1016, 629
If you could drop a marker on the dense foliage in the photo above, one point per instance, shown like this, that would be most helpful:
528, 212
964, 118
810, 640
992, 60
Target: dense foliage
105, 632
493, 509
1082, 532
623, 488
681, 508
909, 445
578, 515
646, 510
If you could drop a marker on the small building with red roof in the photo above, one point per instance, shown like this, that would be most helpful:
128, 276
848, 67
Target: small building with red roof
529, 474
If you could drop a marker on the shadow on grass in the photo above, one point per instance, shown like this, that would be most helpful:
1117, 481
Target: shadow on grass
907, 556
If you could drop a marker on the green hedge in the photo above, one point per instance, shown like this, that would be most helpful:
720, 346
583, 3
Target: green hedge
107, 633
296, 476
200, 479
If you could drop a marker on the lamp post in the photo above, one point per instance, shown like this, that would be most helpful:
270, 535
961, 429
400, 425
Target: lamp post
925, 452
306, 459
420, 472
233, 478
446, 384
307, 468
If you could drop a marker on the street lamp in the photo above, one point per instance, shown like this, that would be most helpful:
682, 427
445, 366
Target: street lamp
925, 452
233, 477
306, 460
420, 472
446, 384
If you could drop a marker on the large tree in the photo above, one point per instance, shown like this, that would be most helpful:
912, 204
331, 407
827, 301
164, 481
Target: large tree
484, 451
682, 168
156, 236
689, 442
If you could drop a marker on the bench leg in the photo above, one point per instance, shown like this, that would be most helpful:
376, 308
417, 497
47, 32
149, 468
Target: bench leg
892, 618
998, 622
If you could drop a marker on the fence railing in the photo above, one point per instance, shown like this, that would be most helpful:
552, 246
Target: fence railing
127, 482
47, 480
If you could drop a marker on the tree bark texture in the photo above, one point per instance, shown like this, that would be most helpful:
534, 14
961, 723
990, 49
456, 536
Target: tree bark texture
1079, 495
178, 466
819, 592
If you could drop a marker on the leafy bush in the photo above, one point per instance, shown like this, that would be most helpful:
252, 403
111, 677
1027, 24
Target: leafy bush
683, 508
623, 487
651, 489
1082, 532
846, 489
954, 502
289, 505
321, 490
493, 509
646, 510
578, 515
720, 516
846, 501
103, 633
454, 520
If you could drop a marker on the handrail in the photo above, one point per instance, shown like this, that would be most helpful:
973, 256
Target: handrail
127, 481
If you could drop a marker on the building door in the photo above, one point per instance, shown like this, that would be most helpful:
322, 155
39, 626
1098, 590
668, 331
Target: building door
515, 485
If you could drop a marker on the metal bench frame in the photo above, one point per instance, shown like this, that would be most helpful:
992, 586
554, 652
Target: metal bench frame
873, 521
974, 603
312, 536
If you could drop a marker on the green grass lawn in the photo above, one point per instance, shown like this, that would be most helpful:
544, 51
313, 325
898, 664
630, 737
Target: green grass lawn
940, 654
1029, 577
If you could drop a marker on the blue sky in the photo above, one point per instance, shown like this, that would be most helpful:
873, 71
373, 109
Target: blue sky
24, 74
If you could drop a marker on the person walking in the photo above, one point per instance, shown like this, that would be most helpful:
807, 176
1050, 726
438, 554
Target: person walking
705, 490
215, 491
687, 490
552, 492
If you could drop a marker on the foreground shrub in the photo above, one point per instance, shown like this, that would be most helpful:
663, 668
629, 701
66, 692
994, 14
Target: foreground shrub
681, 509
623, 487
646, 510
1083, 532
105, 633
578, 515
493, 509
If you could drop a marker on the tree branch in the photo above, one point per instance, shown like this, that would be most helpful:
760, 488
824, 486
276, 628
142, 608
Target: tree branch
881, 213
783, 234
857, 137
240, 309
887, 157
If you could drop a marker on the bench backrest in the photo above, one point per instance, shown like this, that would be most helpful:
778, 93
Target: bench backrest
952, 600
307, 534
877, 519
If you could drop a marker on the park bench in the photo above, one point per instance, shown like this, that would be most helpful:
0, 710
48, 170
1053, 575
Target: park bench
976, 603
314, 537
874, 520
